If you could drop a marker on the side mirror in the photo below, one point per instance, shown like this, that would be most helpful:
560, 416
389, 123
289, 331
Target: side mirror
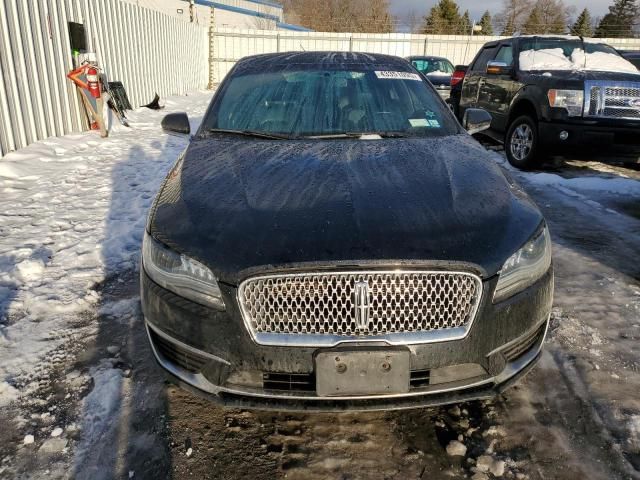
499, 68
476, 120
176, 123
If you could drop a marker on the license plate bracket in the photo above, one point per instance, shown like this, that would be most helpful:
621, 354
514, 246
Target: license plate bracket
370, 371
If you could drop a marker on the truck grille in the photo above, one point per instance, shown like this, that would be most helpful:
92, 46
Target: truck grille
621, 101
358, 305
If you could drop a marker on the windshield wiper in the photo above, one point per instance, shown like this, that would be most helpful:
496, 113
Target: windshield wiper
249, 133
358, 135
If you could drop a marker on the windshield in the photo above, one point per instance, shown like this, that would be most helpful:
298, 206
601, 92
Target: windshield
318, 102
433, 66
570, 54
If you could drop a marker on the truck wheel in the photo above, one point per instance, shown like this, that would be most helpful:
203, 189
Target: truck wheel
521, 143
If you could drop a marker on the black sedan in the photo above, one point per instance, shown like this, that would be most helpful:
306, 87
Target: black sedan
332, 238
438, 71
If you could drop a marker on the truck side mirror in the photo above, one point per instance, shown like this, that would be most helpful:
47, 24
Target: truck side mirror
499, 68
476, 120
176, 123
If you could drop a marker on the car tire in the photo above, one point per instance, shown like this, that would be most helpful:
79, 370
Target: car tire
522, 143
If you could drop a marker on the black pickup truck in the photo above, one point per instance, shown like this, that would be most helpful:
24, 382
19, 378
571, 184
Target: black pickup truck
633, 56
556, 96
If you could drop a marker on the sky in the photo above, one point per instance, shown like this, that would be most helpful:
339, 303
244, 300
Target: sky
476, 8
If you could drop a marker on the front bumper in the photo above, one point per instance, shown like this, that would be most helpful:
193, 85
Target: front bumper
212, 354
604, 140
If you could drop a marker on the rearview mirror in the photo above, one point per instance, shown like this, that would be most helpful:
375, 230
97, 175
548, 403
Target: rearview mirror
176, 123
499, 68
476, 120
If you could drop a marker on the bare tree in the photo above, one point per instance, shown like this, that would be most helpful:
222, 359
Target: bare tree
413, 21
263, 23
547, 17
378, 18
513, 15
341, 15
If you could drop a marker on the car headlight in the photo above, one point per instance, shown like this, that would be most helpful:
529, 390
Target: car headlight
182, 275
571, 100
525, 267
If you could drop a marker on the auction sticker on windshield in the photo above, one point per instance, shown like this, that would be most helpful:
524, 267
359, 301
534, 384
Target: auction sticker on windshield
398, 75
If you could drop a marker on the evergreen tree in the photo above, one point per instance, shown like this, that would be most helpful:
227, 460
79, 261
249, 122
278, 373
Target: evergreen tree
583, 25
533, 23
619, 21
485, 23
465, 24
449, 12
433, 22
444, 18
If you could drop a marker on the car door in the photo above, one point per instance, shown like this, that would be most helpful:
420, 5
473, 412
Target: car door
497, 87
475, 77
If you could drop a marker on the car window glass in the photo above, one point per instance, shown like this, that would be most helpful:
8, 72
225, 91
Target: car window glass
487, 54
324, 102
505, 55
433, 67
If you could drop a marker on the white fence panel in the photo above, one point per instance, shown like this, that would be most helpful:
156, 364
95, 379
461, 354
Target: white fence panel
146, 50
229, 45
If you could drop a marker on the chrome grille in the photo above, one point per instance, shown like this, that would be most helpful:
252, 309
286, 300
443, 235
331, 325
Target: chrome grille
620, 101
326, 308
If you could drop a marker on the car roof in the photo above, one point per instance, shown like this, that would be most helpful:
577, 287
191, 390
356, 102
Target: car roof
427, 57
320, 58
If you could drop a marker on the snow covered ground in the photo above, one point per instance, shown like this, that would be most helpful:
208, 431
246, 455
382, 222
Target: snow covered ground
72, 214
81, 397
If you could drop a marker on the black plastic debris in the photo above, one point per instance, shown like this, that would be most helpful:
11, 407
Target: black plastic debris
119, 96
155, 103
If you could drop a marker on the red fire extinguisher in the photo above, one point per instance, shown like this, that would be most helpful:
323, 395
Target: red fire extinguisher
93, 83
90, 71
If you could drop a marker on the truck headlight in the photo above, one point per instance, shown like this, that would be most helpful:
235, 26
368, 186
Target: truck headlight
525, 267
571, 100
182, 275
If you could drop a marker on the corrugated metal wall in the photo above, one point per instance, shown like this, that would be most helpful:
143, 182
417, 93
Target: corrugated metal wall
229, 45
146, 50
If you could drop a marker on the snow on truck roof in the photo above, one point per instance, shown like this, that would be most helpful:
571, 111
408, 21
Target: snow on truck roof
564, 37
576, 60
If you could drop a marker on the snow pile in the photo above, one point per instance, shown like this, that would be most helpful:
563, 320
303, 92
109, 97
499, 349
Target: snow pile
555, 59
7, 394
72, 212
602, 61
597, 183
618, 186
438, 72
547, 59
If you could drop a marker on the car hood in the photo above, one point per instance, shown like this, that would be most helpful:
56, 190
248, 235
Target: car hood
243, 206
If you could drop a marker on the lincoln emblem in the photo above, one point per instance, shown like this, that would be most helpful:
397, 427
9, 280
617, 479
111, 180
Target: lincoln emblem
361, 301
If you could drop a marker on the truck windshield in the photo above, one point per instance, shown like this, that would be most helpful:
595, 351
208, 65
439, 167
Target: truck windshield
570, 54
325, 102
